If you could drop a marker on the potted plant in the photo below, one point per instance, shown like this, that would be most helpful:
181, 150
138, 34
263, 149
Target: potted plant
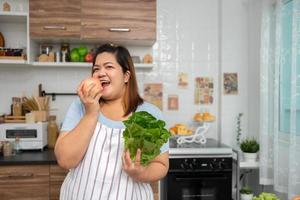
249, 147
246, 193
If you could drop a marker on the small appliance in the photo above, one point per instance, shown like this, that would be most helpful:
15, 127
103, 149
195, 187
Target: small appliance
32, 136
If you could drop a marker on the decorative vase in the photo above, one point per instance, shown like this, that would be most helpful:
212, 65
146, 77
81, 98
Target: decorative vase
246, 196
250, 157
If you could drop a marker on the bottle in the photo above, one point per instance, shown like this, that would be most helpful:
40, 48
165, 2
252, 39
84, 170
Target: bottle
17, 146
52, 131
16, 106
65, 50
57, 56
2, 43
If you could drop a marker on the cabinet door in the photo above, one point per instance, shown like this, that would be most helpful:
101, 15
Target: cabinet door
123, 21
26, 182
54, 19
57, 176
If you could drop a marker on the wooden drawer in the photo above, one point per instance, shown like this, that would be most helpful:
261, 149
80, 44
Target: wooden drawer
26, 182
57, 176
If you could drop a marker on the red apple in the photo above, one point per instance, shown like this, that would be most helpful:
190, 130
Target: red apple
88, 58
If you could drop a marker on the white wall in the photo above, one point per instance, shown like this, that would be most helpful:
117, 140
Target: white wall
187, 41
200, 37
234, 58
255, 14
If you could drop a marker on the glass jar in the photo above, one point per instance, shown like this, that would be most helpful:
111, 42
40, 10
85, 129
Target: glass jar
52, 131
65, 51
17, 146
1, 146
7, 149
16, 106
45, 49
2, 118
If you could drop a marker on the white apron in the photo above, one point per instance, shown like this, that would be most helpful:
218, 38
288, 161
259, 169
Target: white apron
100, 175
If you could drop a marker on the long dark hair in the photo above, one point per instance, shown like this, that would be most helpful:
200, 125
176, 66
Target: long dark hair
131, 98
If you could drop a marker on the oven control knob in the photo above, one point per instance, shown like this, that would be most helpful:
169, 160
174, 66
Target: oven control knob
194, 162
214, 165
222, 165
182, 166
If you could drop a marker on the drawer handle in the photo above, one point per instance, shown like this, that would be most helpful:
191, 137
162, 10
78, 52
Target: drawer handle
17, 175
119, 29
55, 28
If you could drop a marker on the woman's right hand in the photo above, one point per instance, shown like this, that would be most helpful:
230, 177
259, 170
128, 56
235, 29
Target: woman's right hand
89, 93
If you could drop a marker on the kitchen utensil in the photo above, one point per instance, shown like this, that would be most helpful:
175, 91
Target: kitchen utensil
29, 104
43, 102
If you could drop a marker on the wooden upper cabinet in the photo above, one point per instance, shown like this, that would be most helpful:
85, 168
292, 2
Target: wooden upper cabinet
126, 21
55, 18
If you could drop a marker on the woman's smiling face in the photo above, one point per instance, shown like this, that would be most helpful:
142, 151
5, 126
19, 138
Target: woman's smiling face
111, 76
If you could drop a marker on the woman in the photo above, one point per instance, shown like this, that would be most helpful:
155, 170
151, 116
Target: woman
90, 143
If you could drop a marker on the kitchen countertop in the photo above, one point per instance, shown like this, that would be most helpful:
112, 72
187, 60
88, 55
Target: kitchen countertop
30, 157
211, 148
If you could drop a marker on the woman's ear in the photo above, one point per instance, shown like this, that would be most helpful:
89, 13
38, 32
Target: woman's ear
126, 76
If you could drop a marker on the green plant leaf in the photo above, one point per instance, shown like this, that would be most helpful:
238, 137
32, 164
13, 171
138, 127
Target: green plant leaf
249, 146
246, 190
143, 131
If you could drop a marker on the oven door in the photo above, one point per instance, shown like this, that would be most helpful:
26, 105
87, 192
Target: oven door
197, 186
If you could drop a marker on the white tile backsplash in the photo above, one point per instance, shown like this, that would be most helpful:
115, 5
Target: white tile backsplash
188, 40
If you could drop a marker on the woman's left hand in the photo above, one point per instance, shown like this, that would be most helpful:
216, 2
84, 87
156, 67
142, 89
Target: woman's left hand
133, 168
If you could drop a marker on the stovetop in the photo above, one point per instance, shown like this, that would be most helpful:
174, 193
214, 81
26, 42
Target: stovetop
211, 148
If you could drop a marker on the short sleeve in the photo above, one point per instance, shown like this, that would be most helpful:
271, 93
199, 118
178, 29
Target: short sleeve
73, 116
156, 112
164, 148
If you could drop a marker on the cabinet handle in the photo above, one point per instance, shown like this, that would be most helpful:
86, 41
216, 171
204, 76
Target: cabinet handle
55, 28
17, 175
119, 29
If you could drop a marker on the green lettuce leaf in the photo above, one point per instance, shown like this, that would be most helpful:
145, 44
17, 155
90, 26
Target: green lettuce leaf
143, 131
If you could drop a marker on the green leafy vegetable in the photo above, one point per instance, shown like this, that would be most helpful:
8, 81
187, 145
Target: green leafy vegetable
266, 196
145, 132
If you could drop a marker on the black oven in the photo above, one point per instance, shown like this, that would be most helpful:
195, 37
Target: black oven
202, 178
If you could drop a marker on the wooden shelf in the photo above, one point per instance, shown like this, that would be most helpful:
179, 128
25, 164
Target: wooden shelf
13, 17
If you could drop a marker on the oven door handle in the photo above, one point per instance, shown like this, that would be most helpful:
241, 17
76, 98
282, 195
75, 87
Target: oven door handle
200, 178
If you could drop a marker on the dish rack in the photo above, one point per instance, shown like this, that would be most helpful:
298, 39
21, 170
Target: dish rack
198, 137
